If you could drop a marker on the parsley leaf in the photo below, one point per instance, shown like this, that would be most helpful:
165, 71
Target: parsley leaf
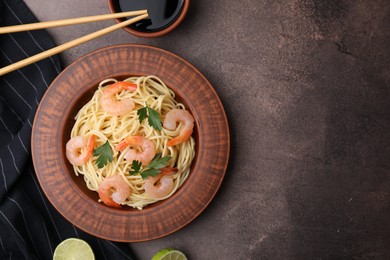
152, 169
104, 154
136, 166
154, 119
142, 114
150, 172
158, 163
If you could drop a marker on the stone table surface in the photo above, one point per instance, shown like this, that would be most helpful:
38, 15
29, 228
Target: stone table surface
306, 88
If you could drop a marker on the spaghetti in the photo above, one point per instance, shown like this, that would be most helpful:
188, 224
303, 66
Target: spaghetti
94, 120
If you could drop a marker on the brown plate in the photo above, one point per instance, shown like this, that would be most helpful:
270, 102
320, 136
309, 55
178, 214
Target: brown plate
55, 118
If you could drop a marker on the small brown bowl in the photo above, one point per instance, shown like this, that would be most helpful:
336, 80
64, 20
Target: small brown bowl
114, 7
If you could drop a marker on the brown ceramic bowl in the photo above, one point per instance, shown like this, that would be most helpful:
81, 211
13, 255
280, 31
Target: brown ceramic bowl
114, 7
55, 118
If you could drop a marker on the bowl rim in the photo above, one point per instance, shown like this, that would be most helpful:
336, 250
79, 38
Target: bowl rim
179, 19
223, 165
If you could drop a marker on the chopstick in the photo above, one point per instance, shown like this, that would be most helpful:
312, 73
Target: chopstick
71, 21
69, 45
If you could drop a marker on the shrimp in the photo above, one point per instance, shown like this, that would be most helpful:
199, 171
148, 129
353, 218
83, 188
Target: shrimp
117, 107
179, 115
141, 149
113, 191
164, 184
78, 150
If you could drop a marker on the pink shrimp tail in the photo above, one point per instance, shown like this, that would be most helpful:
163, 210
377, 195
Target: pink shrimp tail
90, 144
127, 141
184, 136
118, 86
168, 171
163, 171
122, 145
129, 86
111, 203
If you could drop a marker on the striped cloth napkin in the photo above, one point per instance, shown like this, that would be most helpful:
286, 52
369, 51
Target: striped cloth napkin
30, 228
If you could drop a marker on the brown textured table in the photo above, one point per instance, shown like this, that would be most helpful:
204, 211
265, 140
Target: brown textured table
306, 87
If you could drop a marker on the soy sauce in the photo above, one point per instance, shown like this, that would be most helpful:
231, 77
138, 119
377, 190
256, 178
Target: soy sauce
162, 13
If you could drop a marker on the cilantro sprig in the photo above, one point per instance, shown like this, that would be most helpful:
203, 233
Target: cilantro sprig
152, 169
104, 155
153, 116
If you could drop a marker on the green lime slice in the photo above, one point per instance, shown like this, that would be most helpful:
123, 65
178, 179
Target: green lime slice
169, 254
73, 248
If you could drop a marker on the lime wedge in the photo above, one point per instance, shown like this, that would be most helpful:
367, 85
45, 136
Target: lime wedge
169, 254
73, 248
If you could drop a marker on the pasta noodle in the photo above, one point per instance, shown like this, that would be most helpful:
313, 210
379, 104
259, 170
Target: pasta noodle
93, 120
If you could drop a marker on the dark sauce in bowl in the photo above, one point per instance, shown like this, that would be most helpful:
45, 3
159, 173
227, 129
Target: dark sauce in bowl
162, 13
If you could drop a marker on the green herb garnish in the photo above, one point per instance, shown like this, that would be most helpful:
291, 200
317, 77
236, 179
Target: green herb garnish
158, 162
152, 169
104, 154
153, 116
150, 172
136, 166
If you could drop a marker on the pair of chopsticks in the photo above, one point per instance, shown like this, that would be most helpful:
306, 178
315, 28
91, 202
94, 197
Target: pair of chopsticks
139, 15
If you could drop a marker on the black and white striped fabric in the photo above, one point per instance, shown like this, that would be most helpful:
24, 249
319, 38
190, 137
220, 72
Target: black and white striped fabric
30, 228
